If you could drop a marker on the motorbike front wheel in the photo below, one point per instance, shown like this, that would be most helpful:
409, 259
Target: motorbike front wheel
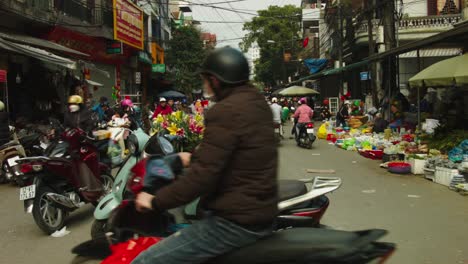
99, 229
48, 217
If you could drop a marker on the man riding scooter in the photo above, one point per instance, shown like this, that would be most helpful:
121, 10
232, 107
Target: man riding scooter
234, 170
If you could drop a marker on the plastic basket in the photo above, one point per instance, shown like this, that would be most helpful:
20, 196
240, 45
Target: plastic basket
444, 175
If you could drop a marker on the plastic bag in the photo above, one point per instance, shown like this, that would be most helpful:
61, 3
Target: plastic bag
464, 146
322, 132
456, 154
114, 152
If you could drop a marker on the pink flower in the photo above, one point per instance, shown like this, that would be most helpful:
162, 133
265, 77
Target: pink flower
181, 132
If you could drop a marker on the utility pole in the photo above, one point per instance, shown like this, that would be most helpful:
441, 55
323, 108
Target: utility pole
340, 50
340, 28
370, 6
390, 43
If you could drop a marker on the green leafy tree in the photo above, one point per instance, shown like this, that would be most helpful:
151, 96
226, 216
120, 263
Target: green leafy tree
185, 55
276, 31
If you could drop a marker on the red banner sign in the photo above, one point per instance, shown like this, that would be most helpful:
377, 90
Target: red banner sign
93, 46
128, 23
3, 76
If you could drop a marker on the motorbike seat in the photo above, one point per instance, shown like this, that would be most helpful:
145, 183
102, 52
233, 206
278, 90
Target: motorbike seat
29, 139
8, 145
288, 189
302, 245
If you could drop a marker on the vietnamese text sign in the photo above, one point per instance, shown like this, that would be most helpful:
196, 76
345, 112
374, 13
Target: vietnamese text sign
159, 68
365, 76
128, 23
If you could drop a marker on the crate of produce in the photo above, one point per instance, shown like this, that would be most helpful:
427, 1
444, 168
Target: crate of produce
444, 175
429, 174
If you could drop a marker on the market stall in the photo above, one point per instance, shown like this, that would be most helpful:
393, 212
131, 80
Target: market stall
404, 152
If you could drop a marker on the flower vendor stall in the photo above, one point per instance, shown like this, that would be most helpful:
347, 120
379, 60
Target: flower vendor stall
185, 130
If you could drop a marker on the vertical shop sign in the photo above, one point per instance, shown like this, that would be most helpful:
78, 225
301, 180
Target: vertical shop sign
3, 76
128, 23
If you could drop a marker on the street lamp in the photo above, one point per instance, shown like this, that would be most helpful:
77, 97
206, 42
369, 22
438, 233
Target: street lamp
271, 41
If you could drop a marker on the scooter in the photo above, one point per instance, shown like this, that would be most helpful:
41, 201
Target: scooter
112, 200
287, 245
302, 202
10, 153
68, 176
305, 134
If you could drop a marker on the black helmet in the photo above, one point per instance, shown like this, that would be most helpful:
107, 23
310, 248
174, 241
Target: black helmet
228, 65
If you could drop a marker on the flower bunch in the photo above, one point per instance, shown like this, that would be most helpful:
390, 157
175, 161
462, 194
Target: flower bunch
188, 128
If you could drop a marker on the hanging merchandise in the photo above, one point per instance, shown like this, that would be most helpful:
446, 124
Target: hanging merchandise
305, 42
115, 93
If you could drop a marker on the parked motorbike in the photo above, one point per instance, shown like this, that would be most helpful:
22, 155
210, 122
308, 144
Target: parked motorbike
287, 245
305, 135
33, 140
68, 176
10, 153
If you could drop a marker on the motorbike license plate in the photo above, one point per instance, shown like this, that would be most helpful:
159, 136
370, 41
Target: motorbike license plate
28, 192
12, 161
310, 131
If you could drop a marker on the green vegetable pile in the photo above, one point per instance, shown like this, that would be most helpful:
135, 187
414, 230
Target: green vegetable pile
445, 139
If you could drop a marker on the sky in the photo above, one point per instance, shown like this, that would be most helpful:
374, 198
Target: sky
226, 32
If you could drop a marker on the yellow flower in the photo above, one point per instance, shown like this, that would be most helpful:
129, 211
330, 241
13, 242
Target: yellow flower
159, 119
173, 129
199, 118
178, 115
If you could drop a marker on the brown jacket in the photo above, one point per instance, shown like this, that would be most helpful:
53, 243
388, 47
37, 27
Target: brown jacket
234, 169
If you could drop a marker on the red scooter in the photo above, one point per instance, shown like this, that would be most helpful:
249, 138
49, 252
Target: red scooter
68, 176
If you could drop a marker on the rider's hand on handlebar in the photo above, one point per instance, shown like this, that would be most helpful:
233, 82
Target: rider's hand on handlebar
143, 202
185, 157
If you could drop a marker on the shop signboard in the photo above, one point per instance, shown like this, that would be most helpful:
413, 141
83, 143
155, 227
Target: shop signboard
128, 23
144, 57
3, 76
114, 47
137, 77
159, 68
365, 76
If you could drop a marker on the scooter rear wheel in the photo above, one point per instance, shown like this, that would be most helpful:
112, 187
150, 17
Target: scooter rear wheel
48, 217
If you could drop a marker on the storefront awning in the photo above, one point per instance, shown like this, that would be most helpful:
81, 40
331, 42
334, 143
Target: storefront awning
90, 82
330, 72
431, 53
40, 43
37, 53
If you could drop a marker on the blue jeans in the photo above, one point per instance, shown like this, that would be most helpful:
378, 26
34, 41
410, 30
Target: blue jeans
205, 239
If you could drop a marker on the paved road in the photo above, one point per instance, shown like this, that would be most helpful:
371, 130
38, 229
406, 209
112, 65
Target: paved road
430, 229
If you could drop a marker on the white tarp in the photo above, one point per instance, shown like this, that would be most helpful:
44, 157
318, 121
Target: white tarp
37, 53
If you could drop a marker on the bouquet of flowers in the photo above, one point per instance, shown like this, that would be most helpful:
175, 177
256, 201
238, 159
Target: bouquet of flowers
187, 129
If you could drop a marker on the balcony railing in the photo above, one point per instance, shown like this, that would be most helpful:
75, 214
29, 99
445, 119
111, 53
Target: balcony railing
430, 21
104, 16
75, 9
426, 22
44, 5
72, 8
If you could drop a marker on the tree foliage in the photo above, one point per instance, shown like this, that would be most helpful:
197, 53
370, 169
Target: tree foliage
275, 30
185, 55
